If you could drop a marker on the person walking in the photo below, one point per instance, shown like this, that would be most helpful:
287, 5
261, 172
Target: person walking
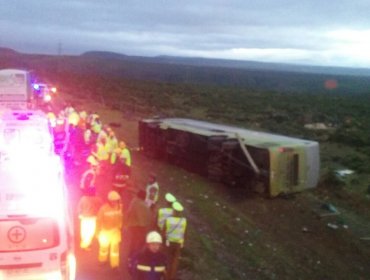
174, 231
109, 224
88, 178
138, 222
150, 263
165, 212
152, 192
87, 209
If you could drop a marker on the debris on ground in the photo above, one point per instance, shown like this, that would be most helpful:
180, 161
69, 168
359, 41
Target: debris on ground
332, 226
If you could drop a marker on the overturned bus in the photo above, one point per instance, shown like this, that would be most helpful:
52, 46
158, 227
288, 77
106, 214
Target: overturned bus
235, 156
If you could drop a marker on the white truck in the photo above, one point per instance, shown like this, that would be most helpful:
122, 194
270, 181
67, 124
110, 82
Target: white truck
15, 89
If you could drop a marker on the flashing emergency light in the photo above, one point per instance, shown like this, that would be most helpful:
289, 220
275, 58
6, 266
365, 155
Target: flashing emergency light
47, 98
36, 86
53, 89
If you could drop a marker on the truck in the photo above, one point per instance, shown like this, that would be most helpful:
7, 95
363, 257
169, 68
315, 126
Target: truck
16, 89
254, 160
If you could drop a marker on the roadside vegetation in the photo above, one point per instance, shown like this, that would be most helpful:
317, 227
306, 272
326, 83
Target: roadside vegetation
232, 234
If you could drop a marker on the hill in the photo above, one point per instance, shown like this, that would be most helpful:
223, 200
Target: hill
250, 75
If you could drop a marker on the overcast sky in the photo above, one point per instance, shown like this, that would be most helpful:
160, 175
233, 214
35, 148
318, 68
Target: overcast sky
318, 32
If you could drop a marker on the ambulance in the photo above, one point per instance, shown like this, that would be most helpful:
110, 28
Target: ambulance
36, 230
36, 224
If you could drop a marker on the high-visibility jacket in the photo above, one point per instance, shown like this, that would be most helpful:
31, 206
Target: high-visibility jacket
102, 152
88, 206
112, 143
109, 217
175, 229
163, 214
147, 265
73, 118
152, 194
96, 127
125, 153
88, 179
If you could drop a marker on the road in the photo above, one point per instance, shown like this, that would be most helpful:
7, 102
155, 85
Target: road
88, 267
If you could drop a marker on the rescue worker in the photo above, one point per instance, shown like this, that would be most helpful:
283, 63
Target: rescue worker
152, 192
165, 212
89, 176
150, 263
103, 155
174, 232
120, 175
125, 155
87, 209
52, 119
112, 141
138, 222
109, 224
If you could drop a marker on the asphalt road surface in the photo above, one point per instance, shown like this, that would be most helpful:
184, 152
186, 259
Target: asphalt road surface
88, 267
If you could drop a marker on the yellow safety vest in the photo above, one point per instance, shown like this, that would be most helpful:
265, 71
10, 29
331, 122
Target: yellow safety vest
163, 214
125, 153
175, 229
102, 152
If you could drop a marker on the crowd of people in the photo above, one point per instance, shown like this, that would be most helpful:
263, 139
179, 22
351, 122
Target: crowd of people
126, 220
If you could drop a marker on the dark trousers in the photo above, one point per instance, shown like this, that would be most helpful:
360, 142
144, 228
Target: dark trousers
173, 254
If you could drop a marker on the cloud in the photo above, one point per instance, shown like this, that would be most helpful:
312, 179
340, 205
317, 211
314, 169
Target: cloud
279, 30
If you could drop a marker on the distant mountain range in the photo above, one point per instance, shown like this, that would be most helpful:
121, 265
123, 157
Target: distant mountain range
235, 64
257, 76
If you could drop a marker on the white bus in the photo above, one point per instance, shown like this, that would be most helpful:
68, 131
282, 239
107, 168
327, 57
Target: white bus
36, 233
236, 156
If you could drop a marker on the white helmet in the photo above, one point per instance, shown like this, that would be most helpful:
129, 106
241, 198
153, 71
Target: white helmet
153, 237
113, 196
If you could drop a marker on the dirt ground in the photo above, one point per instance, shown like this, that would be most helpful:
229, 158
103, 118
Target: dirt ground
319, 234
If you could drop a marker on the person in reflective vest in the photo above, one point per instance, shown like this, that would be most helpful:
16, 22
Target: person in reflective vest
120, 175
164, 213
174, 231
150, 263
152, 192
89, 176
112, 141
109, 224
87, 209
125, 155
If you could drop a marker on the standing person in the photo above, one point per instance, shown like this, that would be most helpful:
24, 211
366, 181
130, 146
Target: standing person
150, 263
109, 224
120, 175
138, 222
87, 209
88, 178
174, 231
152, 192
125, 155
165, 212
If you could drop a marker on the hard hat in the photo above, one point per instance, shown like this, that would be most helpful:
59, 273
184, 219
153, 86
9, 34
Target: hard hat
113, 196
177, 206
153, 237
92, 160
170, 197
